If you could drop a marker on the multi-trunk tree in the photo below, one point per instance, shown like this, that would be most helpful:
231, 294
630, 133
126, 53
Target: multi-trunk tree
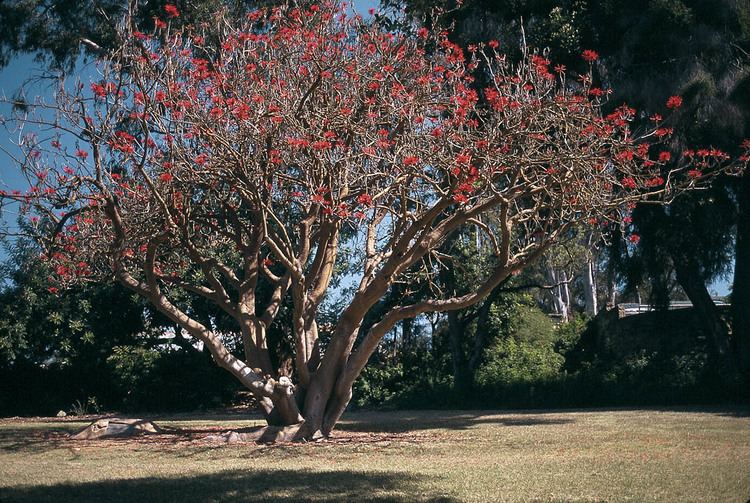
217, 158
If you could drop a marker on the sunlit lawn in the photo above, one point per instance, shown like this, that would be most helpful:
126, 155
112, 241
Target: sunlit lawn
621, 455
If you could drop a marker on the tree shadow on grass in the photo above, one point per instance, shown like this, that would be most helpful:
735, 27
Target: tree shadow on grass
400, 422
742, 411
33, 440
251, 485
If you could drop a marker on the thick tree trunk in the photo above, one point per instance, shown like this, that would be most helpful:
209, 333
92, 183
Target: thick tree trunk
589, 288
688, 275
256, 348
320, 397
407, 333
462, 378
481, 337
611, 288
560, 292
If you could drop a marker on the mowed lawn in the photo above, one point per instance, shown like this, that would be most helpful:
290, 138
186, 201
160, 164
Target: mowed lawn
435, 456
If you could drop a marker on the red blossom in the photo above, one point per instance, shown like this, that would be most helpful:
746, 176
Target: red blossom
99, 90
589, 55
364, 199
634, 239
674, 102
625, 155
656, 181
628, 183
171, 10
321, 145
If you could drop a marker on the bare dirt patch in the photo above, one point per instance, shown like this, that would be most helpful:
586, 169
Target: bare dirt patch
206, 436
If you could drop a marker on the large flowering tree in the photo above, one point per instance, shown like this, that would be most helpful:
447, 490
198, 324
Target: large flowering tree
211, 160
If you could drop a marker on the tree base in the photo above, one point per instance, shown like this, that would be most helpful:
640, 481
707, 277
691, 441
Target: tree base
269, 435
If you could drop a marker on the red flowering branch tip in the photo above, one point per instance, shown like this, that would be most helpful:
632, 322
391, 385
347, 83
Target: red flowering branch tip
674, 102
171, 10
589, 55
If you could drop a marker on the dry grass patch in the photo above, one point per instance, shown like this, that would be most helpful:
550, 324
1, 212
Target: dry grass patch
620, 455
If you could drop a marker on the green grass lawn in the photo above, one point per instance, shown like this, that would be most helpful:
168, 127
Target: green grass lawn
435, 456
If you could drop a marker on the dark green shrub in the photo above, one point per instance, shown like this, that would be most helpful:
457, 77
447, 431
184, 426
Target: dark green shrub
153, 380
511, 362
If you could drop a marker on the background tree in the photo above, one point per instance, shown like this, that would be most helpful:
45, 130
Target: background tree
44, 335
93, 346
58, 33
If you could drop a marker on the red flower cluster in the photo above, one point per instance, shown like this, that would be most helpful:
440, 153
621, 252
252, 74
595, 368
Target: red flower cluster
101, 90
365, 199
674, 102
589, 55
628, 183
171, 10
123, 142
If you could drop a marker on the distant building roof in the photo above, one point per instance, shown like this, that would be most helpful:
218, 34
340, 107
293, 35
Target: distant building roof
635, 308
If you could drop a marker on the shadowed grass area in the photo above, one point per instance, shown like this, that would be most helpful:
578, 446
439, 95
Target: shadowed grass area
250, 485
473, 456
